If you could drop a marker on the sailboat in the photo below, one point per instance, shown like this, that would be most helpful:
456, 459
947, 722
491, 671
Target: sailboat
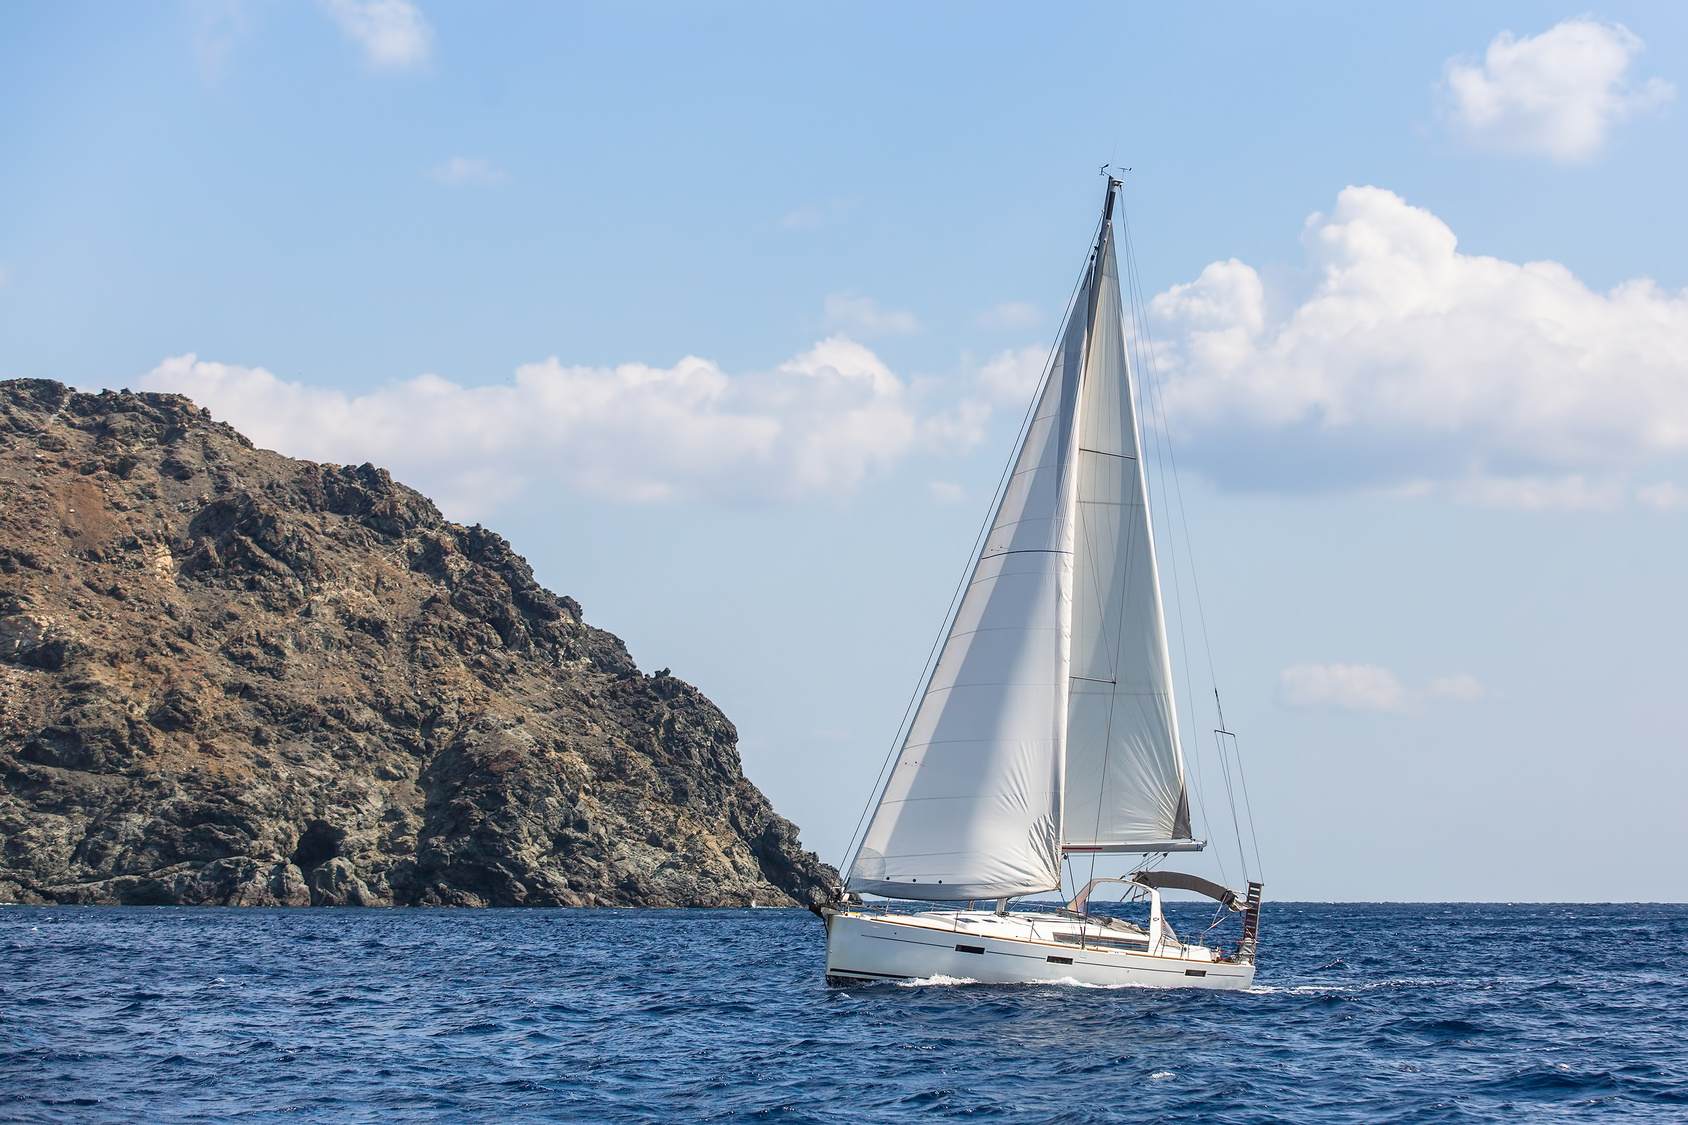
1046, 726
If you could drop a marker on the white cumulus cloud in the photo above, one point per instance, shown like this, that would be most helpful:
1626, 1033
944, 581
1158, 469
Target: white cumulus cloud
1571, 492
1398, 362
819, 214
1665, 496
1354, 687
461, 170
817, 425
1462, 688
393, 33
1369, 687
1010, 316
221, 25
1556, 94
1011, 377
862, 316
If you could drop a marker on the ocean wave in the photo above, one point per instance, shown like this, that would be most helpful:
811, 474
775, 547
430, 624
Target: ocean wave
1358, 1014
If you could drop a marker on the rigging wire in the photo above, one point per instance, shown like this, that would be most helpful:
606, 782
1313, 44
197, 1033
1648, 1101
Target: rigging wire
930, 666
1134, 288
1165, 455
1143, 343
1201, 611
1231, 796
1078, 515
1248, 806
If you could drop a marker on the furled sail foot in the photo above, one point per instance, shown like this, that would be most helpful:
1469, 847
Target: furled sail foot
1151, 847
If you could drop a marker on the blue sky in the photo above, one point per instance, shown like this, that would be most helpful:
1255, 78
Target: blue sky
724, 315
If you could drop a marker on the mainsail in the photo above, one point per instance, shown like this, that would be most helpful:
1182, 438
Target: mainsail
1051, 699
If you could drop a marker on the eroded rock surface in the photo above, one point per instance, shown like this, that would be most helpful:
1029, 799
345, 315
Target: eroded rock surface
230, 677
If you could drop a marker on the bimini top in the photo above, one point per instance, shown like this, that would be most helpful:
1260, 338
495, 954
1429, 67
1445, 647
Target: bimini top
1178, 881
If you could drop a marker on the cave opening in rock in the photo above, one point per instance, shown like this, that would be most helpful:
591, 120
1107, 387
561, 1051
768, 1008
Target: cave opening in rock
319, 842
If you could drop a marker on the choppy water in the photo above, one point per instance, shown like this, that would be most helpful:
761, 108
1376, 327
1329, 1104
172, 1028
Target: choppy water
1423, 1013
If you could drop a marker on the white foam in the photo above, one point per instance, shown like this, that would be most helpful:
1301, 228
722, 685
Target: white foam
1074, 982
1359, 986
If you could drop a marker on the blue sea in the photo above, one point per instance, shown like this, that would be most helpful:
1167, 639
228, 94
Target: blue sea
1373, 1013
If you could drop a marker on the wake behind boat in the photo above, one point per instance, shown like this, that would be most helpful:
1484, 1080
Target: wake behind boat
1047, 726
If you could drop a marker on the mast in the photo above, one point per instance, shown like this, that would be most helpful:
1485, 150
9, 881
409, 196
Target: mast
1124, 763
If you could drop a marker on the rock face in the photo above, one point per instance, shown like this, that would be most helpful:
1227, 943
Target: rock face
229, 677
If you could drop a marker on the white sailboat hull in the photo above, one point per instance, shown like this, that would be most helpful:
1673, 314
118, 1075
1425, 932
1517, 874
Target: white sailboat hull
1017, 948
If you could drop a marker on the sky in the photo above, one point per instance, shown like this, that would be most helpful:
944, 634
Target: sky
726, 315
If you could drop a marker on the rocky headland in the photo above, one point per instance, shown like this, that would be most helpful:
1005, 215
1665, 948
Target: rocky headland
230, 677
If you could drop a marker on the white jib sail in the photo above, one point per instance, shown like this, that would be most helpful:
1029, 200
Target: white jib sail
1124, 770
972, 808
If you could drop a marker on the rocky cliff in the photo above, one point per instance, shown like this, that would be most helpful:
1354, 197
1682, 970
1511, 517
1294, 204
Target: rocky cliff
229, 677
